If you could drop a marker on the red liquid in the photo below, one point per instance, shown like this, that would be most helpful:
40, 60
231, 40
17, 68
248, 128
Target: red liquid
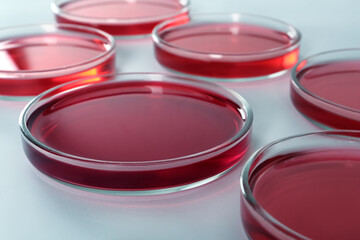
49, 60
336, 82
120, 17
229, 40
316, 194
137, 122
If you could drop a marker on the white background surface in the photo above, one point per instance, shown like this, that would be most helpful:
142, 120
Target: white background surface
31, 207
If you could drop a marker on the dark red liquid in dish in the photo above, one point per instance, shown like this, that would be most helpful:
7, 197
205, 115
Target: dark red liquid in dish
137, 122
221, 46
316, 194
120, 17
336, 83
48, 60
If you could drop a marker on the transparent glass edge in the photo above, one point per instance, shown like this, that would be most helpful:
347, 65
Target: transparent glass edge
243, 133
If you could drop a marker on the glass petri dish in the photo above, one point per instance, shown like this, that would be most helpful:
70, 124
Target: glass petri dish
35, 58
303, 187
325, 88
136, 133
119, 17
227, 46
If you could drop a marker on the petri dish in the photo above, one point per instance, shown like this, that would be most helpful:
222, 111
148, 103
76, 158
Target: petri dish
35, 58
303, 187
325, 88
136, 134
227, 46
119, 17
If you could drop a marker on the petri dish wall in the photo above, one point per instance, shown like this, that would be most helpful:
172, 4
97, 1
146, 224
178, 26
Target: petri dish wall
119, 17
227, 46
303, 187
36, 58
325, 88
136, 133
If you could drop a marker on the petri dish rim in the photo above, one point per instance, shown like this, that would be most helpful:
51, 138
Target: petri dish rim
240, 135
296, 82
232, 17
219, 80
246, 191
55, 7
128, 193
72, 27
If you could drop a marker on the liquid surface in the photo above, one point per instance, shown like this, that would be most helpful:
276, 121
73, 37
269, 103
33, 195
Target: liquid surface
231, 38
121, 9
53, 54
229, 50
136, 122
47, 52
337, 82
314, 193
120, 17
